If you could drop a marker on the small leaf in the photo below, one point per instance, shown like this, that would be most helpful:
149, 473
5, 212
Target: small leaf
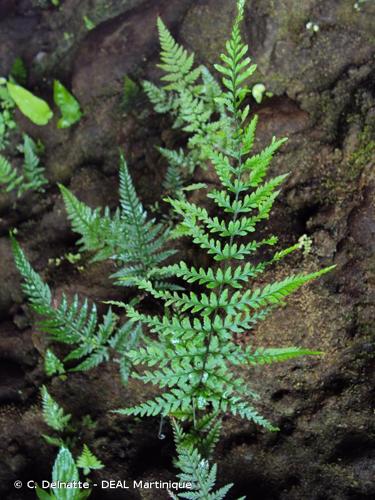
53, 414
65, 470
18, 71
88, 461
36, 109
42, 495
52, 440
52, 364
194, 187
88, 23
68, 105
131, 90
258, 91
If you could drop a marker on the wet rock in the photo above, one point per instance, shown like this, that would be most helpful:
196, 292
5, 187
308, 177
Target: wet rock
323, 101
118, 48
362, 222
324, 243
9, 291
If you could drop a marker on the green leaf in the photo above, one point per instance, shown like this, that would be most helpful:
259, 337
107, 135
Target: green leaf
42, 495
18, 71
90, 25
195, 187
52, 364
65, 470
88, 461
258, 91
131, 91
52, 440
68, 105
53, 414
36, 109
270, 355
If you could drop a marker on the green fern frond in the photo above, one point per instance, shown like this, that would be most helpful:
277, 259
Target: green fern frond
98, 230
263, 356
32, 171
196, 471
236, 68
134, 242
64, 471
162, 101
168, 403
180, 165
74, 323
88, 461
193, 356
53, 414
9, 175
175, 60
52, 364
32, 177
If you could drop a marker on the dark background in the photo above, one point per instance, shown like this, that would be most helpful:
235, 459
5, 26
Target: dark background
323, 86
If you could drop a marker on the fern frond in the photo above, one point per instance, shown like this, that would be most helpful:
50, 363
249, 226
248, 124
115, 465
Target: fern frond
133, 242
32, 171
195, 470
195, 349
9, 175
52, 364
131, 206
236, 68
179, 166
74, 323
229, 276
162, 101
175, 60
168, 403
274, 293
88, 461
263, 356
64, 472
33, 286
53, 414
97, 230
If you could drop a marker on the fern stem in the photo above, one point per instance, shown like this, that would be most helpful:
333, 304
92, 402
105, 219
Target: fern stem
237, 127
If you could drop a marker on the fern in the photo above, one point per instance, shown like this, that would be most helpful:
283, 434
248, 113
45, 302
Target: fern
190, 96
134, 242
7, 123
65, 480
88, 461
179, 167
52, 364
75, 324
194, 355
191, 353
32, 176
9, 175
100, 233
196, 471
204, 435
32, 171
53, 414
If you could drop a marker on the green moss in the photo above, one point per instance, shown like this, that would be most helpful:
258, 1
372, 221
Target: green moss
364, 153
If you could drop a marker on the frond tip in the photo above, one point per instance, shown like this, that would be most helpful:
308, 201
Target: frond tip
88, 461
263, 356
53, 414
195, 470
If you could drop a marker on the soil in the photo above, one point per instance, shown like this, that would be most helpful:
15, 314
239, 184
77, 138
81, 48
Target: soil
323, 99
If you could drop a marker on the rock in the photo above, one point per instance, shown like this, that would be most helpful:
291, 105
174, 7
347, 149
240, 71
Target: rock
362, 222
9, 290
